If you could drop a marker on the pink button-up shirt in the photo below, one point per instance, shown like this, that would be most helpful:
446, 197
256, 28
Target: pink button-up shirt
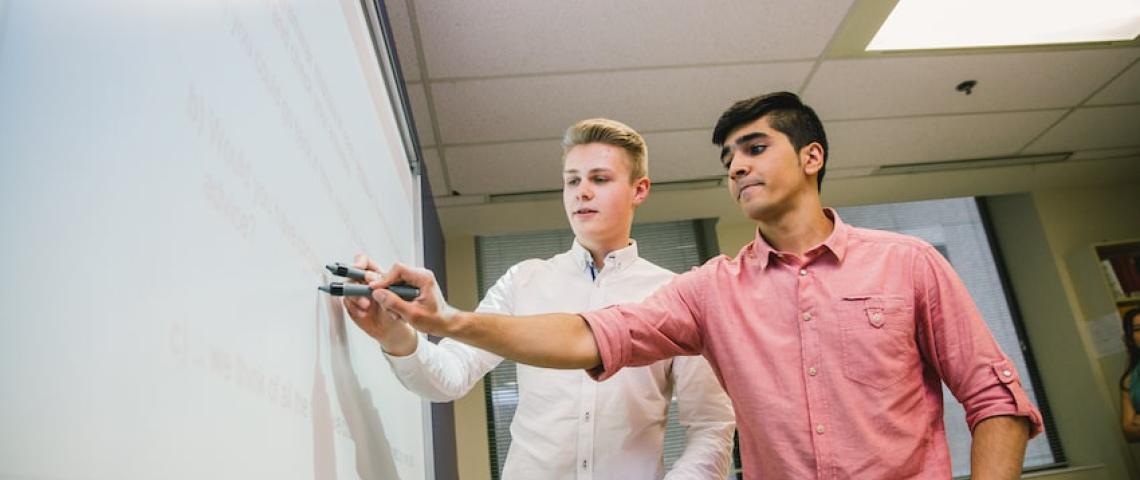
833, 360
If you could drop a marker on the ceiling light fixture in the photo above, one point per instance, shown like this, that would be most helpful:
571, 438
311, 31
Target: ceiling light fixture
970, 164
925, 24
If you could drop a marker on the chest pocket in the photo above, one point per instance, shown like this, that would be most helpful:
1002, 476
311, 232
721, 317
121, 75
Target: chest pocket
879, 348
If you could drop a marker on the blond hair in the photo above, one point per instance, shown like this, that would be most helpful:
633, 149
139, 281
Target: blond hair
610, 132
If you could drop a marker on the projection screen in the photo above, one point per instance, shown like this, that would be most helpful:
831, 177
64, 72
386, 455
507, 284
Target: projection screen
175, 175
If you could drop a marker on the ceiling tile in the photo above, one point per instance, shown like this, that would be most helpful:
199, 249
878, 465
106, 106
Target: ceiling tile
463, 39
436, 175
529, 108
495, 168
926, 139
882, 87
1125, 89
1093, 127
505, 167
421, 114
406, 47
687, 155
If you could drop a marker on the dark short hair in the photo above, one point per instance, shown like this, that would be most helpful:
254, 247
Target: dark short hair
786, 113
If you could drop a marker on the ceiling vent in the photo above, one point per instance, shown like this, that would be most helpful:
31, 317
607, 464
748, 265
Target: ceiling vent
971, 164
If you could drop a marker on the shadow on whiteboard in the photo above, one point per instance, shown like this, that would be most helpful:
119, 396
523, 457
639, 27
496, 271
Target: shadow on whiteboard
373, 453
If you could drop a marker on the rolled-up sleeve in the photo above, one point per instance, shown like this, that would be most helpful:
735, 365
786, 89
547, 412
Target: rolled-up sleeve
664, 325
956, 341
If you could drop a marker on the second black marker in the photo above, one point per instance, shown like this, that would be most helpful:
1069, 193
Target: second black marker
338, 289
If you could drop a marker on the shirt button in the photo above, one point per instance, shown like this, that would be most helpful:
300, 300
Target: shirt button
1006, 373
806, 316
803, 272
819, 429
587, 416
811, 371
876, 316
584, 464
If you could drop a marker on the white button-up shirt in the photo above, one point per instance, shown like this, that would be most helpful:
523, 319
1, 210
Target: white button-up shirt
567, 426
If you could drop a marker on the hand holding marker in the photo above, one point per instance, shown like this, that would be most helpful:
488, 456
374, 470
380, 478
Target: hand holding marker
340, 289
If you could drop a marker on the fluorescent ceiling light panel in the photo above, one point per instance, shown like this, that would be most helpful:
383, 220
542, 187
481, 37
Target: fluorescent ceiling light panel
934, 24
971, 164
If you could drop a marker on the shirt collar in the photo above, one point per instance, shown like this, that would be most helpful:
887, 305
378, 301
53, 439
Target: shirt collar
836, 243
616, 259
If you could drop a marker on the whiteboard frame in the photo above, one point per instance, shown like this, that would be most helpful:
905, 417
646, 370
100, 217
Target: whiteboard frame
383, 43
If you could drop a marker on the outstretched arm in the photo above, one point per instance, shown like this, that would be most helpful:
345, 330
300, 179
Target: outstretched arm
552, 341
440, 373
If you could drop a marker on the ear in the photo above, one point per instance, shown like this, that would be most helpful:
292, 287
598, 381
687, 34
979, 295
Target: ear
640, 190
811, 158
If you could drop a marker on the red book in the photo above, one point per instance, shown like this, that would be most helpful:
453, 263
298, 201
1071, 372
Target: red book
1125, 267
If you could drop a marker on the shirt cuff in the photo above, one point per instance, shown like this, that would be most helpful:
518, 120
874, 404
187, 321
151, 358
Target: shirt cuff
1015, 401
407, 362
612, 340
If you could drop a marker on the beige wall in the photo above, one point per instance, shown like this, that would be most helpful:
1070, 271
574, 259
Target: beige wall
471, 450
1073, 220
1036, 231
732, 236
1026, 229
1077, 218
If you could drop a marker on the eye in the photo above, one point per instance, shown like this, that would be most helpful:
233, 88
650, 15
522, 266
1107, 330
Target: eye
573, 181
601, 179
725, 157
757, 149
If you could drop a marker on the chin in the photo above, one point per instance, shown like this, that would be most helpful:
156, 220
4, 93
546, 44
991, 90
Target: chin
594, 231
588, 228
756, 212
580, 226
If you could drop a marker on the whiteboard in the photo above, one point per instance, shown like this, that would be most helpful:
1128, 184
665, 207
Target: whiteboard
175, 174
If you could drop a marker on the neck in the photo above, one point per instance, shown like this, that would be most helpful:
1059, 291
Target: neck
798, 228
600, 248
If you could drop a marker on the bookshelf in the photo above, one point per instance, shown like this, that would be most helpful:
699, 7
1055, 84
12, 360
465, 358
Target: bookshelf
1106, 277
1120, 267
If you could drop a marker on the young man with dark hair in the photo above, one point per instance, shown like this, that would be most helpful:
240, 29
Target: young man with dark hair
832, 341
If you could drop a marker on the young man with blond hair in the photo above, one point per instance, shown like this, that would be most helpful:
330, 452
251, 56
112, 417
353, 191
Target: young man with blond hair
832, 341
568, 426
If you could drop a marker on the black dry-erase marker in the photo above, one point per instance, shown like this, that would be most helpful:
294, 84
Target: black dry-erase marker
342, 270
338, 289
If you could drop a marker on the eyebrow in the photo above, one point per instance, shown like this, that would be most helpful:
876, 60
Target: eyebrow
750, 137
742, 140
574, 171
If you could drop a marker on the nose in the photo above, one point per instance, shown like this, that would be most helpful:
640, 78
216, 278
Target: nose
738, 169
584, 192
